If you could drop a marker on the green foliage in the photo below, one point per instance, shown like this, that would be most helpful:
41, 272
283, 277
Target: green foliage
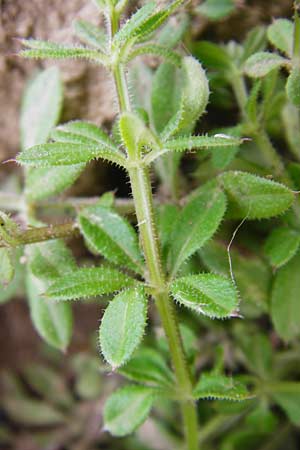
261, 63
118, 339
215, 386
126, 409
287, 396
91, 35
285, 303
293, 87
87, 282
108, 233
165, 250
147, 366
42, 49
6, 266
280, 34
281, 245
212, 295
216, 9
191, 229
53, 321
255, 197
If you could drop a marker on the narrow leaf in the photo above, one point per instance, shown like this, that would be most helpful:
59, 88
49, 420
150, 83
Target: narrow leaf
261, 63
78, 131
216, 9
123, 326
281, 245
285, 305
88, 282
41, 107
126, 409
147, 366
6, 266
91, 35
293, 87
287, 395
44, 49
53, 321
196, 223
111, 235
255, 197
155, 49
45, 182
280, 34
131, 28
212, 295
66, 154
220, 387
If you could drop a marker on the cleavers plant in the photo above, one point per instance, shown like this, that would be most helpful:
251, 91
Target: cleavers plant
152, 260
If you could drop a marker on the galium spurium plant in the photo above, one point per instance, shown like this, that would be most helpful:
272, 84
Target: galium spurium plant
150, 263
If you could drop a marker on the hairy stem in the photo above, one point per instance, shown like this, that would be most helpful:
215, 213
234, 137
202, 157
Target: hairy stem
142, 194
143, 201
47, 233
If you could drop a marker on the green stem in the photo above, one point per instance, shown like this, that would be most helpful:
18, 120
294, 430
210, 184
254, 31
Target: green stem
240, 91
296, 44
143, 201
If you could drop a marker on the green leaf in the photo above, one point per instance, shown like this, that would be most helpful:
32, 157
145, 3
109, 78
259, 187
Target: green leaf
280, 34
182, 144
88, 282
44, 49
81, 132
53, 321
256, 349
173, 31
287, 395
216, 9
212, 295
48, 383
45, 182
261, 63
30, 412
255, 197
15, 286
293, 86
179, 97
212, 56
281, 245
6, 266
126, 409
91, 35
108, 233
291, 124
147, 366
50, 260
66, 154
196, 223
252, 275
255, 41
155, 49
132, 27
220, 387
123, 326
41, 107
285, 305
135, 135
223, 156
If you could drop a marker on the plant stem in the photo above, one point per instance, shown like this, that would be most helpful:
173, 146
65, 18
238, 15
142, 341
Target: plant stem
296, 44
40, 234
142, 195
240, 92
143, 201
